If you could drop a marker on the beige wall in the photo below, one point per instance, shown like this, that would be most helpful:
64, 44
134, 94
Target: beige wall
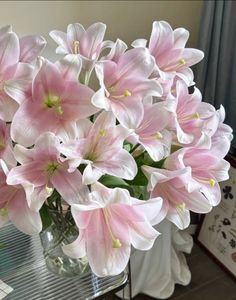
127, 20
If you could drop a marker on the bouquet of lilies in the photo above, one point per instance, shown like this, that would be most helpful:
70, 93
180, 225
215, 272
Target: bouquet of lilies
139, 147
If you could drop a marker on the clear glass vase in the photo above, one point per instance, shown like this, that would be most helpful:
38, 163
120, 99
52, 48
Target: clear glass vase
61, 231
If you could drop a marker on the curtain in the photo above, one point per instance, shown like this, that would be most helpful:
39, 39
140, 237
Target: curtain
216, 74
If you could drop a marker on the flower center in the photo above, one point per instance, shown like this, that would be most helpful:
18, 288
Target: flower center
51, 168
75, 47
115, 241
52, 101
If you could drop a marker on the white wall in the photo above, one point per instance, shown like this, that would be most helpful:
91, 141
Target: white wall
127, 20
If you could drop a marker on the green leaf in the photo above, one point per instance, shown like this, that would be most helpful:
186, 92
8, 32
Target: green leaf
112, 182
139, 179
158, 164
46, 220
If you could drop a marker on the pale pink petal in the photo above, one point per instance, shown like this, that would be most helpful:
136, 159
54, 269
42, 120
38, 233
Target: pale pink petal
186, 75
137, 62
29, 173
212, 194
9, 50
75, 32
81, 217
127, 212
8, 157
6, 192
30, 47
76, 102
61, 39
142, 235
192, 56
158, 149
142, 87
77, 248
47, 82
103, 259
129, 111
47, 145
150, 123
70, 66
183, 137
91, 174
21, 216
179, 216
8, 107
26, 116
36, 196
139, 43
150, 208
181, 36
120, 164
161, 37
117, 49
82, 128
18, 89
91, 40
99, 100
119, 195
69, 185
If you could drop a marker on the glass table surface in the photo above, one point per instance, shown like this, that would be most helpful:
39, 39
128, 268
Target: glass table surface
23, 268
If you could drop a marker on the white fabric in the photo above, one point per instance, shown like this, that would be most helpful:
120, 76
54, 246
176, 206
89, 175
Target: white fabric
155, 272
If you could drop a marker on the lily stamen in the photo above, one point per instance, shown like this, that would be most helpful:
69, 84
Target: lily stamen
210, 181
180, 206
115, 241
75, 47
102, 132
190, 117
125, 94
181, 62
158, 135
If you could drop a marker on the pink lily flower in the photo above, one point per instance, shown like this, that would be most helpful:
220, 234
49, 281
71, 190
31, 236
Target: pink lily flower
124, 84
188, 114
14, 207
177, 200
152, 133
55, 105
41, 171
99, 146
78, 41
220, 133
6, 149
109, 222
168, 48
206, 171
